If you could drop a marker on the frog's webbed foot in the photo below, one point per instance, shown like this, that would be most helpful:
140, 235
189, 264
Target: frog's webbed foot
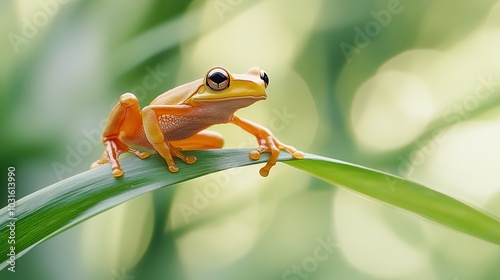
267, 144
102, 161
270, 144
113, 150
168, 151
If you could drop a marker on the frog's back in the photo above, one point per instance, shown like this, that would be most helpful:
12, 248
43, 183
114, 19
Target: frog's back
178, 94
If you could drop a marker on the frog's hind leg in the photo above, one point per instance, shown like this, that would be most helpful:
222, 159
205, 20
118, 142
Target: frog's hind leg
200, 141
123, 119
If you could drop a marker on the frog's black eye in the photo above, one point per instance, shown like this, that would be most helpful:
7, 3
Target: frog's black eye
217, 79
264, 77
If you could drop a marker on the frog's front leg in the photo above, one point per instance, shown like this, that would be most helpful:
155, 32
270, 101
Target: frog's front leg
123, 119
156, 137
267, 143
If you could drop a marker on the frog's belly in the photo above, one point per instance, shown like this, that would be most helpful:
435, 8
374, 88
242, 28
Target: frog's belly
182, 127
175, 128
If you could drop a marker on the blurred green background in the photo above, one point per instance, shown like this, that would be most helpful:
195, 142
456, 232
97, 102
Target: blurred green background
407, 87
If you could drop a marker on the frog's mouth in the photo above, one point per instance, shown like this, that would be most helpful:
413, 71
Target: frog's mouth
253, 98
231, 103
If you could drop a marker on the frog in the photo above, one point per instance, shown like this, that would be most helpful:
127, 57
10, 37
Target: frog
176, 121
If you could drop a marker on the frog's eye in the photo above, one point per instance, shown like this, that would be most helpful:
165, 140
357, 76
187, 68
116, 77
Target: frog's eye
217, 79
264, 77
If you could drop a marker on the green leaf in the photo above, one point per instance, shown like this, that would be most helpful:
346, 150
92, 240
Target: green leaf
405, 194
67, 203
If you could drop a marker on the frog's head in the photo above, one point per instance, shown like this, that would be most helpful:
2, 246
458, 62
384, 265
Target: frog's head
220, 85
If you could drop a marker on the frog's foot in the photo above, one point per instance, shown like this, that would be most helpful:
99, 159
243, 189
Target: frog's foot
139, 154
113, 149
270, 144
167, 151
175, 151
102, 161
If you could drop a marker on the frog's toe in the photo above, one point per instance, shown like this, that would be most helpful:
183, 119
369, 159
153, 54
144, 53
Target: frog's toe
143, 155
97, 164
139, 154
118, 172
255, 155
173, 168
298, 155
190, 159
102, 161
264, 172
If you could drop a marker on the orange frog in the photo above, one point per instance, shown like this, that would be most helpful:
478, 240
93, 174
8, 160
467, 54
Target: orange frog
175, 120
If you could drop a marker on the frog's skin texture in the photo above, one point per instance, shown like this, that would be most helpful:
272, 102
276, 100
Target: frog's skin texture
176, 119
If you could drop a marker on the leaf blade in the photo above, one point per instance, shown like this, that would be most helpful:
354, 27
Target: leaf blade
407, 195
56, 208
